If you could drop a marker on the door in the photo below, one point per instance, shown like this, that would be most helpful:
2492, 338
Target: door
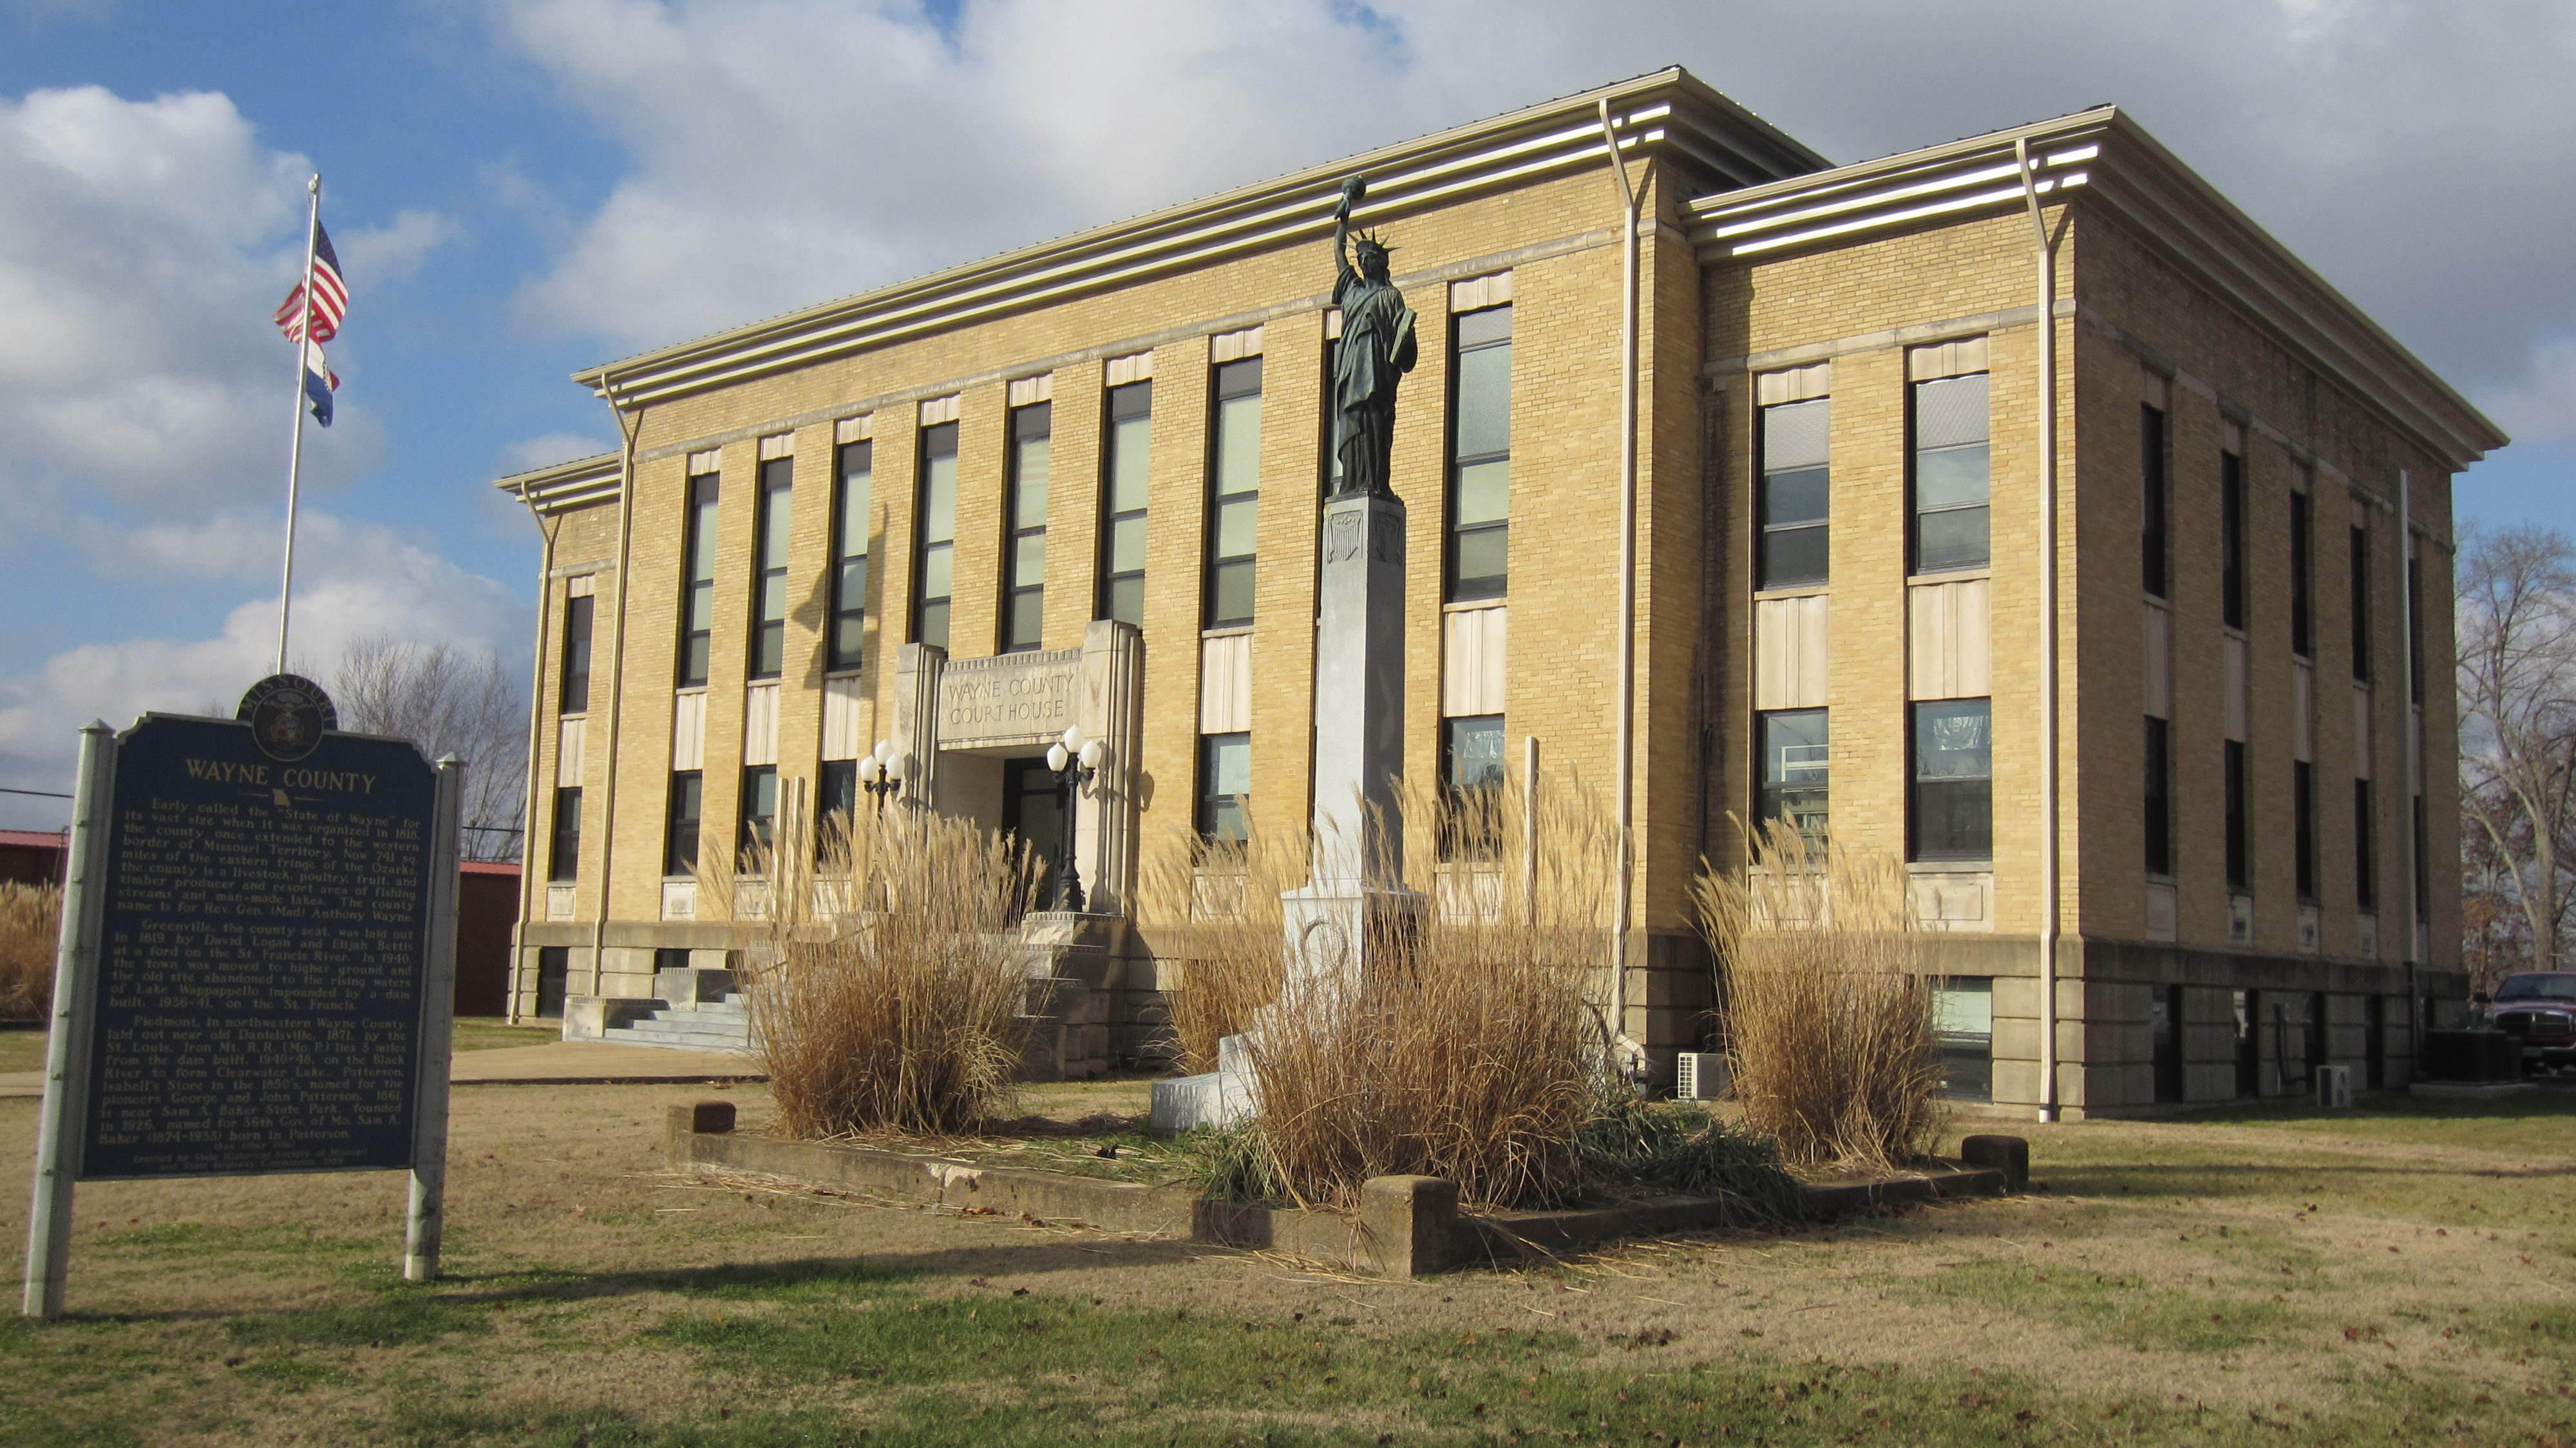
1032, 811
2165, 1021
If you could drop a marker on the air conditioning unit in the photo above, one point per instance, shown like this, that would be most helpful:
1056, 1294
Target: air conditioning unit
1699, 1075
2334, 1087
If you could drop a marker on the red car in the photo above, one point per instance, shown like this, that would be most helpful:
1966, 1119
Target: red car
2538, 1009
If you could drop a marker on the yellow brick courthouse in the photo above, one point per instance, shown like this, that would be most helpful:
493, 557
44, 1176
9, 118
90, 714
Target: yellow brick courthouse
1078, 486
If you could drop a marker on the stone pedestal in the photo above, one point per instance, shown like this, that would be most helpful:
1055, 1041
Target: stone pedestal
1359, 692
1353, 914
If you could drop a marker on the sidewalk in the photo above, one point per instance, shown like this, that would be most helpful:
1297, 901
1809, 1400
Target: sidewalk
550, 1063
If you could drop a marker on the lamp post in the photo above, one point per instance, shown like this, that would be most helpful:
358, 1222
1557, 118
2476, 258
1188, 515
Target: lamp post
1076, 762
881, 773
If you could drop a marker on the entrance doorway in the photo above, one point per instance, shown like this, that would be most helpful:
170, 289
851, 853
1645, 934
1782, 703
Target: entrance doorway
2249, 1043
2165, 1023
1033, 812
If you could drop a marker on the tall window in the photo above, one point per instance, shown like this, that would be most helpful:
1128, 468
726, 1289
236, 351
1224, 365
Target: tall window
2153, 500
1471, 776
1963, 1034
857, 473
574, 697
563, 862
1953, 807
2240, 871
1225, 787
769, 570
1794, 492
2365, 847
2159, 801
759, 814
1480, 479
680, 824
698, 570
2302, 610
1796, 770
1122, 503
935, 571
2231, 540
1234, 492
836, 789
2361, 604
1951, 480
1024, 552
2303, 819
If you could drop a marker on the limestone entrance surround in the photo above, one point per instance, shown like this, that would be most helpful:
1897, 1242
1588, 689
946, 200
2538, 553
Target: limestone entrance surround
956, 719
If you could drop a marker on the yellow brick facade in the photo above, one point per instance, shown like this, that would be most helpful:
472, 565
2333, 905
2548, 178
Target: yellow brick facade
2129, 317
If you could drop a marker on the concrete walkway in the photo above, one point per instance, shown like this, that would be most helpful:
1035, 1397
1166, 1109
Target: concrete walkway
552, 1062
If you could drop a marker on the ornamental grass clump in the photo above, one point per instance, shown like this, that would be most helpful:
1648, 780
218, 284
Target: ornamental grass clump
1828, 1015
1473, 1047
883, 971
1225, 893
30, 924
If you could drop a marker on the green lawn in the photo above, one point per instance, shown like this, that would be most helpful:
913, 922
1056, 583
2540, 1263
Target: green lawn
2403, 1273
485, 1033
22, 1049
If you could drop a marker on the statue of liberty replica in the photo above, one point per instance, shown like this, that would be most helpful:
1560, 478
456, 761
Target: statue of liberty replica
1378, 348
1354, 913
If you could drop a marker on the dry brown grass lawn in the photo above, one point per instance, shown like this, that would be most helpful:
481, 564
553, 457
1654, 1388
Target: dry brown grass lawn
2240, 1272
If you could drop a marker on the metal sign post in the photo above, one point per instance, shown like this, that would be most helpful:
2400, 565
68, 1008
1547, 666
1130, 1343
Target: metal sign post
427, 1217
66, 1110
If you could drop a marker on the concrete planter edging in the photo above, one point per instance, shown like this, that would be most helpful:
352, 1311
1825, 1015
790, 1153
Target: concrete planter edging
1406, 1226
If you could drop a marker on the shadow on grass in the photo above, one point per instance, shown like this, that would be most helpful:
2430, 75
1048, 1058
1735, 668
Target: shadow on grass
405, 1312
2547, 1101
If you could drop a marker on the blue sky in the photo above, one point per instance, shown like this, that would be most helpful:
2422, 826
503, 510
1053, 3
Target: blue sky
522, 187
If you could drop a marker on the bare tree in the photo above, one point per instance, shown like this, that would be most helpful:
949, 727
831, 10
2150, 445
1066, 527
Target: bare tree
2517, 637
448, 701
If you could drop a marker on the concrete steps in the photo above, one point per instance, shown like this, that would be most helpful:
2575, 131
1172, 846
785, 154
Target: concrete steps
719, 1024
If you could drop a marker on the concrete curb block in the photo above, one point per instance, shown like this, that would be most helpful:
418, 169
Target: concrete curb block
1407, 1226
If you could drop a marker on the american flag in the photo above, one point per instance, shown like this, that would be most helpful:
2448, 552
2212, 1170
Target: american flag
330, 295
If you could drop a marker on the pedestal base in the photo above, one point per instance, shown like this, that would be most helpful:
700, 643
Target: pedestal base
1222, 1097
1340, 931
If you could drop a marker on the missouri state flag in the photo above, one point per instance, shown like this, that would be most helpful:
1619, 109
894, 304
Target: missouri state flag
319, 383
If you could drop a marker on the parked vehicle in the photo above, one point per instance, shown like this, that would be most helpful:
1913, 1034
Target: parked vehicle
2538, 1009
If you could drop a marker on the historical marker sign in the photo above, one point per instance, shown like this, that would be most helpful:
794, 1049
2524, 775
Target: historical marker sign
258, 949
261, 954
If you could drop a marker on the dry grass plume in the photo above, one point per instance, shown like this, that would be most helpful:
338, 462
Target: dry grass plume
30, 924
1827, 1010
883, 969
1474, 1051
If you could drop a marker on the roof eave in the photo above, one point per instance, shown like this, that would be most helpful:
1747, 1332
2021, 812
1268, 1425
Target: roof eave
2177, 211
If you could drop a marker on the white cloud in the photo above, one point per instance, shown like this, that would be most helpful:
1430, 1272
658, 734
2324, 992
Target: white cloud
2541, 405
143, 248
144, 400
379, 254
553, 447
783, 152
352, 581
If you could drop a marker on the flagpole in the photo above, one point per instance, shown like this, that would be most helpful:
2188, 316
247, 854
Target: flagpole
295, 450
